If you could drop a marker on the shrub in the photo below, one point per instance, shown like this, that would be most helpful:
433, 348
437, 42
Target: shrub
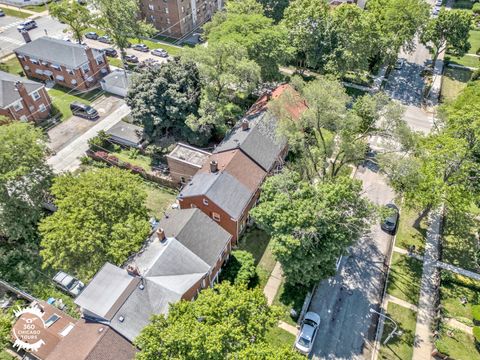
476, 8
240, 268
99, 142
476, 76
476, 314
476, 335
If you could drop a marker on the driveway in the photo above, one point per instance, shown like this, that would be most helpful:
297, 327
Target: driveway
68, 158
343, 301
67, 131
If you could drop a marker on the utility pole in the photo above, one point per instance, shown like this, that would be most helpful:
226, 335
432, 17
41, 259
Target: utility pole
394, 331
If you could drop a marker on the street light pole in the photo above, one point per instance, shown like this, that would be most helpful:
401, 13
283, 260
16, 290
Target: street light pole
389, 318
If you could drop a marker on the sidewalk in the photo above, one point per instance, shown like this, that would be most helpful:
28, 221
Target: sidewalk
423, 346
273, 284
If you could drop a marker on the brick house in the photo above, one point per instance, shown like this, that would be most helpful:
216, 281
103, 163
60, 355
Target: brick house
225, 189
23, 99
184, 255
70, 65
184, 161
176, 18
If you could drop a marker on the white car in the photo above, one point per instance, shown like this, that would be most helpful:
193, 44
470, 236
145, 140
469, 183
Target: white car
306, 337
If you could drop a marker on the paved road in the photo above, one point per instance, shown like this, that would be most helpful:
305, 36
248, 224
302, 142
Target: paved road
343, 301
10, 38
68, 158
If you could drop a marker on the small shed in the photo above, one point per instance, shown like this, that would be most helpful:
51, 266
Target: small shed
126, 134
116, 82
184, 161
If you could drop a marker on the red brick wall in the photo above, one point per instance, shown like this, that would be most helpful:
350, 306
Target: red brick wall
35, 114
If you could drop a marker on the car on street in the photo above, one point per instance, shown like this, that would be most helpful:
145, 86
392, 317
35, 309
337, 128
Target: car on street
436, 10
131, 59
390, 223
159, 52
140, 47
399, 64
105, 39
27, 25
68, 283
83, 110
110, 52
91, 35
308, 332
2, 13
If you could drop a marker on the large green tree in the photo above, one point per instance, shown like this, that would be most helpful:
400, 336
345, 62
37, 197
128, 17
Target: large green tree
101, 216
311, 225
72, 13
163, 97
450, 28
24, 180
221, 322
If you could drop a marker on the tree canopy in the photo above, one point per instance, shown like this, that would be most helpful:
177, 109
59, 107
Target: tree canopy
101, 216
72, 13
163, 97
220, 323
311, 225
24, 179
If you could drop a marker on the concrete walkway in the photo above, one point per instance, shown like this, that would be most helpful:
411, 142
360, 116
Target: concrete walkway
68, 159
401, 302
287, 327
460, 326
273, 284
429, 289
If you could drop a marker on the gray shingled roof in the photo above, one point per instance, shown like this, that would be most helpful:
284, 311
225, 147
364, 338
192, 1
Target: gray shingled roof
221, 188
260, 142
126, 131
8, 92
117, 78
196, 231
56, 51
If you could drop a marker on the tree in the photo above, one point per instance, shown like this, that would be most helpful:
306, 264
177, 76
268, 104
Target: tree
240, 268
241, 7
6, 322
72, 13
266, 351
329, 136
24, 179
219, 323
101, 216
163, 97
226, 74
274, 9
117, 18
450, 28
311, 225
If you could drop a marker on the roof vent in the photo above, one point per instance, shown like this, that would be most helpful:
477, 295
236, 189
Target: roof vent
141, 286
100, 330
121, 318
245, 124
213, 166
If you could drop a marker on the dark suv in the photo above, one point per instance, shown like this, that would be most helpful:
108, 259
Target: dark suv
83, 110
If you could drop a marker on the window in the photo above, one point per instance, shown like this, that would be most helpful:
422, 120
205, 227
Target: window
183, 9
166, 10
151, 7
205, 202
18, 106
34, 61
215, 216
70, 71
99, 60
193, 206
23, 118
67, 330
86, 68
56, 67
51, 320
35, 95
168, 22
21, 56
42, 108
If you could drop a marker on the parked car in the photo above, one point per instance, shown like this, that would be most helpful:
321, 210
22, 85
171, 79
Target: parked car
83, 110
439, 3
105, 39
27, 25
308, 331
111, 52
159, 52
2, 13
91, 35
399, 64
140, 47
131, 58
68, 283
436, 11
389, 225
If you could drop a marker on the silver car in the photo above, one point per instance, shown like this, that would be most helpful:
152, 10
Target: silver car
306, 337
68, 283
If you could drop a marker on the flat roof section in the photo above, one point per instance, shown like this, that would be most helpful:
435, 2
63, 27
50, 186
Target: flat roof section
189, 154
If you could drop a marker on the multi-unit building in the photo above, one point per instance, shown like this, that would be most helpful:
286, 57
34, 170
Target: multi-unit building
71, 65
175, 18
22, 99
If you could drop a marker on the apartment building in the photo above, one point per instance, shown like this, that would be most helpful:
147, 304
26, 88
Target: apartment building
70, 65
176, 18
22, 99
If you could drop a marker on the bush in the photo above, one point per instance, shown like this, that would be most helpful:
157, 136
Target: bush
476, 75
476, 314
476, 8
476, 335
240, 268
99, 142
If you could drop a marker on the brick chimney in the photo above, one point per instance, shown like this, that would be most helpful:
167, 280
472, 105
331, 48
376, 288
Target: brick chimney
245, 124
160, 234
213, 166
268, 94
22, 91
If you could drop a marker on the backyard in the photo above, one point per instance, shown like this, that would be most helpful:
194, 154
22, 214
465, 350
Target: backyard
63, 97
12, 66
158, 199
471, 59
399, 346
456, 344
404, 278
453, 82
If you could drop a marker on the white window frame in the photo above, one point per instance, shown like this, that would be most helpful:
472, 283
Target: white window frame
86, 68
36, 95
34, 61
42, 108
56, 67
205, 202
151, 7
216, 216
166, 10
17, 106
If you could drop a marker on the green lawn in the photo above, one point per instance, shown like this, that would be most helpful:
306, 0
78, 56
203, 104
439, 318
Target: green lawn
172, 50
62, 98
412, 229
470, 61
257, 242
460, 346
135, 158
280, 338
5, 356
16, 13
37, 8
290, 297
452, 289
404, 278
115, 62
453, 82
463, 4
158, 199
12, 66
399, 346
